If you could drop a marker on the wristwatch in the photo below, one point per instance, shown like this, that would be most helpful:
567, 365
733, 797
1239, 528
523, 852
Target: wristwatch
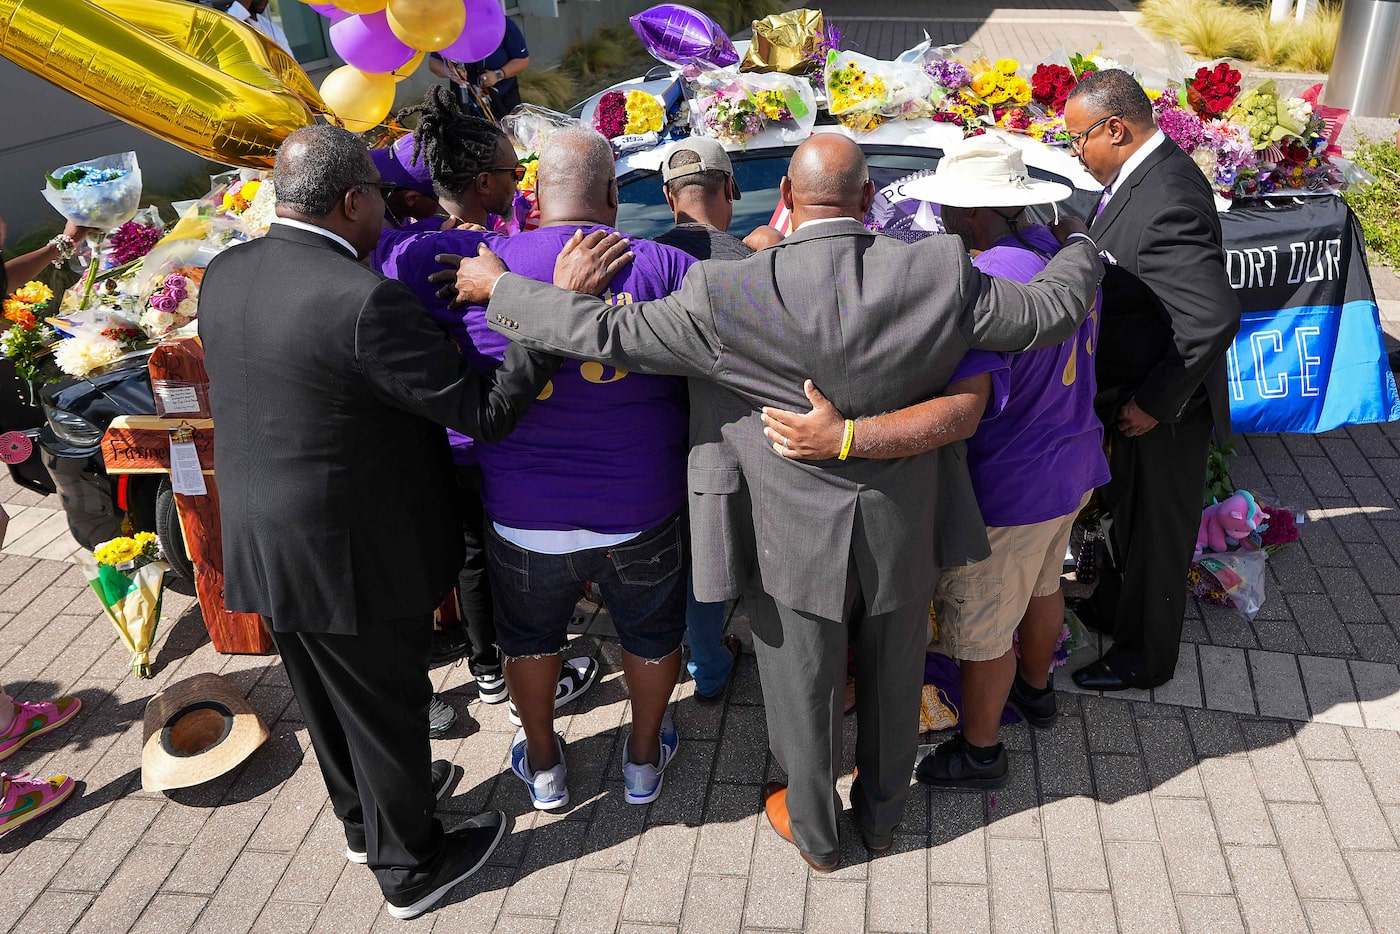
500, 76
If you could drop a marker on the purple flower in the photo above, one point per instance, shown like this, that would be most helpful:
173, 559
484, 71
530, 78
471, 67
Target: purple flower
178, 294
949, 74
164, 301
175, 281
1182, 126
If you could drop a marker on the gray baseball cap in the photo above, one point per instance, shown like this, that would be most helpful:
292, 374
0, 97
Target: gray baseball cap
712, 157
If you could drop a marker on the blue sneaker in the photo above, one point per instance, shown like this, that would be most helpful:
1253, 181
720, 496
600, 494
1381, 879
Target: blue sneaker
644, 781
549, 788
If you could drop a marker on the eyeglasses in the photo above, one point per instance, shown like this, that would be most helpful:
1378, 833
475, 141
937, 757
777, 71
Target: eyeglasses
385, 188
517, 170
1076, 141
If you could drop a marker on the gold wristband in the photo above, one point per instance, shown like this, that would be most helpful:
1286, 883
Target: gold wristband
846, 440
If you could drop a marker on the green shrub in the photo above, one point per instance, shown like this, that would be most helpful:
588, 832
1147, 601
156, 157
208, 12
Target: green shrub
1378, 206
1315, 39
547, 87
735, 16
1265, 42
594, 55
1222, 28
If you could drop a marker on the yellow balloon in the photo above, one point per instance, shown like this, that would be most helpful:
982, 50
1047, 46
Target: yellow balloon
360, 6
178, 70
406, 71
359, 101
427, 25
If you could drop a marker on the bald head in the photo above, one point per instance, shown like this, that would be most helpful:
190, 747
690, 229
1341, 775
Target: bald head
577, 177
827, 177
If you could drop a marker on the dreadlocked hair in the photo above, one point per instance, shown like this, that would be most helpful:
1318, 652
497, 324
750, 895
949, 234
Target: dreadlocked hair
456, 147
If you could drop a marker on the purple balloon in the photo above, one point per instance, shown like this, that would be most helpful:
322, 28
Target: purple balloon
367, 43
678, 35
486, 27
327, 10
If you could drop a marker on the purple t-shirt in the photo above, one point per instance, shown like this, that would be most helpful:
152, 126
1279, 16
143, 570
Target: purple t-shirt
392, 241
602, 449
411, 258
1033, 458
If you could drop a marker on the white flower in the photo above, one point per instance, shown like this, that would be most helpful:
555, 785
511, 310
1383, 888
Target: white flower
79, 356
1105, 63
157, 323
187, 308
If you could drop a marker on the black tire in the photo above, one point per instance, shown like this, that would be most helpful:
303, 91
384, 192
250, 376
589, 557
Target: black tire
172, 536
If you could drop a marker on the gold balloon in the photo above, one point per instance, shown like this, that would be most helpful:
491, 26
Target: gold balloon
359, 101
359, 6
427, 25
180, 71
406, 71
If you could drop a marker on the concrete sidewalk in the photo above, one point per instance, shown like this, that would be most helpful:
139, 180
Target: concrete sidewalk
1258, 791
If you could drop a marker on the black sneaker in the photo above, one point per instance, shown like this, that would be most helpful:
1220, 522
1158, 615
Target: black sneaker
445, 777
465, 851
1037, 707
449, 645
441, 716
951, 765
576, 676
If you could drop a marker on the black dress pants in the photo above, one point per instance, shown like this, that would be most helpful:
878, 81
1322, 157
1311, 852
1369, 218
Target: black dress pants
364, 699
473, 585
1154, 497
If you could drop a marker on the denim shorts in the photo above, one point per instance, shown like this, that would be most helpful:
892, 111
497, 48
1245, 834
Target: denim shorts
642, 581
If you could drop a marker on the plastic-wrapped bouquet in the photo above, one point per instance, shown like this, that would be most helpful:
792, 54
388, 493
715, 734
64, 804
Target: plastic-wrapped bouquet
1222, 149
1050, 86
102, 193
128, 576
1211, 92
173, 304
734, 106
863, 93
1270, 119
132, 240
88, 350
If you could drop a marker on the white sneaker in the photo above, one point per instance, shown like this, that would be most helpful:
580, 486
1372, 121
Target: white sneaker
549, 788
576, 676
644, 781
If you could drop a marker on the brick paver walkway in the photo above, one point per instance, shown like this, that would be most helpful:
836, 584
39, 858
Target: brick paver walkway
1258, 791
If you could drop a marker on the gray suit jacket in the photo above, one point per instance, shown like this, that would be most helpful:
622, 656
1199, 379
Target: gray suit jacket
877, 324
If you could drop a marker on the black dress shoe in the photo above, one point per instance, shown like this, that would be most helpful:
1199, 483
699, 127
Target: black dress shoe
951, 765
1098, 676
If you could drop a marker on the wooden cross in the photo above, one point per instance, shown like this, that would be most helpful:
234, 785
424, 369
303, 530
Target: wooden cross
141, 444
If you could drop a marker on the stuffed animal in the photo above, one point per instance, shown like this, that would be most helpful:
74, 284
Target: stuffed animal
1228, 523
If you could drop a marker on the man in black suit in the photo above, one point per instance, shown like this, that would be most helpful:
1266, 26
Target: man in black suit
330, 386
1168, 317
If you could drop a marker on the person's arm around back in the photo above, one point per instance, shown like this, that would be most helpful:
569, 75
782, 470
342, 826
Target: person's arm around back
999, 314
414, 367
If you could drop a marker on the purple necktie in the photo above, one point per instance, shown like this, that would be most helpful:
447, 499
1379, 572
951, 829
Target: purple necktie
1103, 201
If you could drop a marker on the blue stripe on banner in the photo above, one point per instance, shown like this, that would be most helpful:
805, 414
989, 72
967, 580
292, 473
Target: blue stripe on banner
1311, 369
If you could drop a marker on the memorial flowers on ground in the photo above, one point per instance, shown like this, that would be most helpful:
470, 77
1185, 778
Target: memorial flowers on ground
128, 576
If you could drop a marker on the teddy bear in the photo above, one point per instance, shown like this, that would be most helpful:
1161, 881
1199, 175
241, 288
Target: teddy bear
1228, 523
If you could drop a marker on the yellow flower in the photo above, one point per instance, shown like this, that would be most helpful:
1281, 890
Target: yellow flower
532, 174
1020, 90
644, 114
249, 191
34, 293
1007, 66
984, 84
1152, 93
117, 551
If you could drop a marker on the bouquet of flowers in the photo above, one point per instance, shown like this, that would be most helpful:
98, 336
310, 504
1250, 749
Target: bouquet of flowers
103, 193
863, 93
1269, 118
632, 113
734, 107
132, 240
1220, 148
173, 303
88, 350
1211, 92
128, 576
1050, 86
29, 337
244, 209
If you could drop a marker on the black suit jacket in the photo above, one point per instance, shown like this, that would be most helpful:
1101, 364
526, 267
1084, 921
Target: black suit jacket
1169, 313
329, 386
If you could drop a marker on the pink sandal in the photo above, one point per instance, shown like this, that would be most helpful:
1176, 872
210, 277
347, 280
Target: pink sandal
35, 719
24, 799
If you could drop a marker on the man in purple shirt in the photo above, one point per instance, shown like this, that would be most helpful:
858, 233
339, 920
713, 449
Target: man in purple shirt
589, 487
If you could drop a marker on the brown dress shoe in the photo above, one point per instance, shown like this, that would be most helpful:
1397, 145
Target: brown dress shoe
774, 798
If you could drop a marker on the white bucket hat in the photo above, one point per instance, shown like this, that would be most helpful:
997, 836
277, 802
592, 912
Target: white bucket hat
984, 172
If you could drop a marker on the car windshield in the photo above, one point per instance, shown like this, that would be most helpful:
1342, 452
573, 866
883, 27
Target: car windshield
642, 210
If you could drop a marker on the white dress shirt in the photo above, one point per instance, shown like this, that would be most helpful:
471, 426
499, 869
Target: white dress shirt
263, 23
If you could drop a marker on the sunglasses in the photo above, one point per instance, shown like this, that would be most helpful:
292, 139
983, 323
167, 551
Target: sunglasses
385, 188
517, 170
1076, 141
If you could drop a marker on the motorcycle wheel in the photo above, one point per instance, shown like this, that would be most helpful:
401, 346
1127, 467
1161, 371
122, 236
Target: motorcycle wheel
172, 536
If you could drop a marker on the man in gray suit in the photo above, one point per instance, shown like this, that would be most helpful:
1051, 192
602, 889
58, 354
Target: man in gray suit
846, 551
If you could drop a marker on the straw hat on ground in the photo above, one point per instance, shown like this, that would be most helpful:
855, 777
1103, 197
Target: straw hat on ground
195, 730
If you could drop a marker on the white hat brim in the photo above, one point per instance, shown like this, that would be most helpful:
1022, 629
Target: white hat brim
962, 193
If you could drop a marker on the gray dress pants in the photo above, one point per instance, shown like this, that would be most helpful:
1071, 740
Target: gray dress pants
802, 668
